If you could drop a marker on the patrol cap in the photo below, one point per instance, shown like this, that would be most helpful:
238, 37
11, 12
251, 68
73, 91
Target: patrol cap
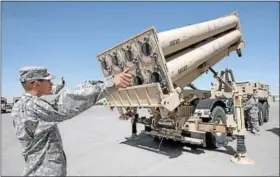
32, 73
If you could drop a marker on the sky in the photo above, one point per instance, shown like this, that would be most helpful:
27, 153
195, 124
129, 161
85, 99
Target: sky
66, 37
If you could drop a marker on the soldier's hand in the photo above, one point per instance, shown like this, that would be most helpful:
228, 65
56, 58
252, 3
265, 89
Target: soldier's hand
123, 79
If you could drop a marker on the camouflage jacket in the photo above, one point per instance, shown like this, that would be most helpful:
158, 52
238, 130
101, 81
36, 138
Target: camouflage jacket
251, 106
35, 121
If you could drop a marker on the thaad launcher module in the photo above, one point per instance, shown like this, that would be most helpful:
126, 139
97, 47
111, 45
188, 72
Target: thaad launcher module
163, 63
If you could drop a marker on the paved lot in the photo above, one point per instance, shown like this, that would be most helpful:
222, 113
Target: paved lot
95, 145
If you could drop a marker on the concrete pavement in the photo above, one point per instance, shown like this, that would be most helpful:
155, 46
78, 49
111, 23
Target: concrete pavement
95, 144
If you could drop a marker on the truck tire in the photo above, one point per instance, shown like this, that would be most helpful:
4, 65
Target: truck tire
216, 140
260, 114
265, 112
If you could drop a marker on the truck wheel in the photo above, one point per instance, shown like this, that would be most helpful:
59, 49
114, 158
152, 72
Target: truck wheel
260, 114
216, 140
265, 112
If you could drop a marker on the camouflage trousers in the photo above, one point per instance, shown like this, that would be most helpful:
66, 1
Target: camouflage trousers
254, 120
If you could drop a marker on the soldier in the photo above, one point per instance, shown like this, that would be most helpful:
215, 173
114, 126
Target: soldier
37, 113
248, 125
252, 109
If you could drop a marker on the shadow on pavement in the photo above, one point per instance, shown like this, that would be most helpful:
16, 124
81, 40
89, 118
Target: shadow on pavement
274, 130
170, 148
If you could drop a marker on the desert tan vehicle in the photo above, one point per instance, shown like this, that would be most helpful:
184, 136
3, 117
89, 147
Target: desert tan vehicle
3, 105
259, 90
162, 64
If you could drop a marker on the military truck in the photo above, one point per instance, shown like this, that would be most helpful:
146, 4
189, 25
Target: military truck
162, 65
261, 93
3, 105
259, 90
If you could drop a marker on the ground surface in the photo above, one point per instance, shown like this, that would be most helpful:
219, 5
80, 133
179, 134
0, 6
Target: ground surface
95, 145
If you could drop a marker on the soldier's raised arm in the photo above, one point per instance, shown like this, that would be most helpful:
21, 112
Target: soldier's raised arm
69, 103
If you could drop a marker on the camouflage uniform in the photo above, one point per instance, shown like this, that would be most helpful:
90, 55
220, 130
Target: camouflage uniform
35, 120
252, 109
